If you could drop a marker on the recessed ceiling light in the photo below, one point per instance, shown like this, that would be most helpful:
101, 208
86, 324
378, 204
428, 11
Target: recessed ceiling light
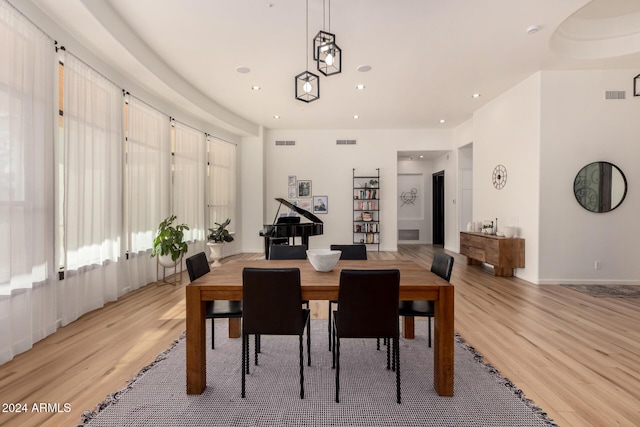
360, 87
355, 116
532, 29
364, 68
243, 69
442, 120
275, 116
475, 95
421, 156
256, 88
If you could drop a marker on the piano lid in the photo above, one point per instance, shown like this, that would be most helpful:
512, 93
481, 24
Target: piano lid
311, 217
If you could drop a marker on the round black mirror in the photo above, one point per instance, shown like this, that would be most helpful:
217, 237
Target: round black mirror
600, 187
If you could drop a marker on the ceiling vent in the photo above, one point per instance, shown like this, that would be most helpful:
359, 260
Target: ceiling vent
285, 143
615, 94
345, 141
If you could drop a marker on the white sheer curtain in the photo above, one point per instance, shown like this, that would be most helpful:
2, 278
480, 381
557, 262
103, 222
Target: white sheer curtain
188, 181
93, 140
222, 182
147, 189
27, 122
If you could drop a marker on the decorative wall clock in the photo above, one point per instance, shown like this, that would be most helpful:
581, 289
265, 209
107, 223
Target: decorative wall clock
499, 176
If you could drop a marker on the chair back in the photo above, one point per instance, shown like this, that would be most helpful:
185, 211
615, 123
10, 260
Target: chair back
368, 301
271, 301
288, 252
351, 252
442, 265
197, 266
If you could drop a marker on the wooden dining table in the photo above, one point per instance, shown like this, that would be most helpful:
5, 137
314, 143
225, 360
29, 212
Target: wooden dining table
416, 283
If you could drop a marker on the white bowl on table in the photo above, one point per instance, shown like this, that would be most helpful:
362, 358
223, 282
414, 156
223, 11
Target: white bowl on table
323, 259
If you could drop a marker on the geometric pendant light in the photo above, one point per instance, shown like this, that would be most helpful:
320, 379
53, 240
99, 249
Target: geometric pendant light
323, 38
329, 59
307, 84
326, 52
307, 87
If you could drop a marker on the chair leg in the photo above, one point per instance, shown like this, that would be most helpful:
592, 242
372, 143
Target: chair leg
429, 325
336, 348
329, 324
255, 351
244, 349
333, 348
378, 344
246, 354
396, 350
301, 369
213, 334
308, 341
388, 357
258, 343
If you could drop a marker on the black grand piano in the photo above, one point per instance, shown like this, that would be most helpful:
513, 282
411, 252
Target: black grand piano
287, 228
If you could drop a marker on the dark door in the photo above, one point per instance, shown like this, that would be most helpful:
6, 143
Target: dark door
438, 208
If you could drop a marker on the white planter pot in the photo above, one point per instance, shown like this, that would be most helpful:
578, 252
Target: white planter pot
166, 261
215, 249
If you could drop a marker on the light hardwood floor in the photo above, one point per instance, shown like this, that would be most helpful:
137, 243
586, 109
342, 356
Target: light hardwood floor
576, 356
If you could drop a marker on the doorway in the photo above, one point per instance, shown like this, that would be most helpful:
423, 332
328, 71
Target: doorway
438, 208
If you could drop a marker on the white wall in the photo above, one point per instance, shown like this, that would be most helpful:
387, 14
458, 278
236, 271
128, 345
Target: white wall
579, 127
316, 157
506, 131
251, 187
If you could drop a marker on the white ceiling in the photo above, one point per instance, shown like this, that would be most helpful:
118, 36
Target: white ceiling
427, 56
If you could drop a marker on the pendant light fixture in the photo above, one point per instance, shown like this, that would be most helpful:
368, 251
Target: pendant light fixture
326, 52
307, 83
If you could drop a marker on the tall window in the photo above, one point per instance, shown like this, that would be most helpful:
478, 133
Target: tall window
148, 177
188, 180
222, 182
93, 157
27, 273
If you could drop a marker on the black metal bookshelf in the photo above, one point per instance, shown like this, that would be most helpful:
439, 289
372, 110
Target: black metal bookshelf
366, 209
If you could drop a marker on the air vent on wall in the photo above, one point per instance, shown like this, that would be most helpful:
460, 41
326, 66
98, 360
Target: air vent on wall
615, 94
285, 143
346, 141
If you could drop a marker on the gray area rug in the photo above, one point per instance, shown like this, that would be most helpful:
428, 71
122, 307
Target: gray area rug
157, 397
608, 291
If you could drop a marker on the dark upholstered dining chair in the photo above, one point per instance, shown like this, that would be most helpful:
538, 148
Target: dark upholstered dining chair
349, 252
288, 252
272, 300
442, 265
368, 308
198, 266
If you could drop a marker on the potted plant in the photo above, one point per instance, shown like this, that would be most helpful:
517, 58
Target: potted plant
169, 242
216, 240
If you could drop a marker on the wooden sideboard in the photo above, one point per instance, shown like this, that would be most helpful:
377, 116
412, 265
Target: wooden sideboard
503, 253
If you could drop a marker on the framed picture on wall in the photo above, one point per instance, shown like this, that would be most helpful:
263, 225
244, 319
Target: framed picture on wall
291, 181
293, 192
304, 188
303, 204
320, 204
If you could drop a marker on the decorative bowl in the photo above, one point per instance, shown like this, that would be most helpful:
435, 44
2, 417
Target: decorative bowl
323, 259
509, 231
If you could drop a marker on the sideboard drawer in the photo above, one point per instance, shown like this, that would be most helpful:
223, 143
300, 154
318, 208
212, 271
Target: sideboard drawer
473, 252
472, 241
